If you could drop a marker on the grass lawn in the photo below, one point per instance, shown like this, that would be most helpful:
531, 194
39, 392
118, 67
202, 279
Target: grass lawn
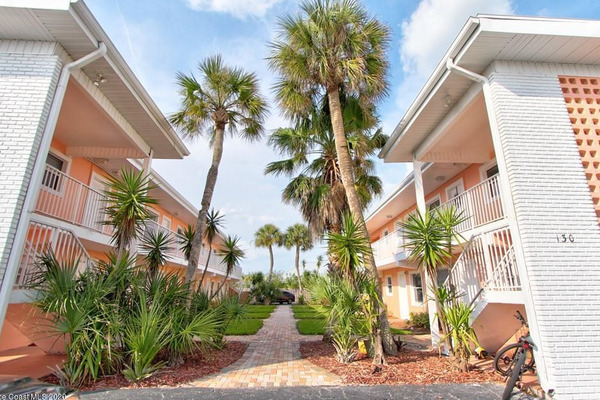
304, 308
308, 315
244, 327
398, 331
252, 308
311, 326
257, 315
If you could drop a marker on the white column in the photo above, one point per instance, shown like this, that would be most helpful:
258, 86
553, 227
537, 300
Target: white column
422, 209
147, 165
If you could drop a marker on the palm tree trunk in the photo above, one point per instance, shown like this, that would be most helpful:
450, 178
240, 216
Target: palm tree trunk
206, 266
209, 187
382, 332
272, 262
298, 268
220, 286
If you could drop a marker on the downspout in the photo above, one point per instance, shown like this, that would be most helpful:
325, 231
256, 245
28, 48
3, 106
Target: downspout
12, 266
509, 208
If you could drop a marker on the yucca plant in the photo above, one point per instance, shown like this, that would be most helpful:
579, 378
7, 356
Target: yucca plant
145, 333
127, 206
460, 333
156, 245
214, 225
185, 238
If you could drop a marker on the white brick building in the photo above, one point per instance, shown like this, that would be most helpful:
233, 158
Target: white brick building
523, 93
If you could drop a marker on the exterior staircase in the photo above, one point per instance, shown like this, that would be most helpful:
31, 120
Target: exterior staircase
486, 276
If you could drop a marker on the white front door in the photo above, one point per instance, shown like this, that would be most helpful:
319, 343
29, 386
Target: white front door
403, 296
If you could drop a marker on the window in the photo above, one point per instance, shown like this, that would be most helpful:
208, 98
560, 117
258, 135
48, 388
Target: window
390, 287
491, 171
487, 171
417, 285
166, 222
435, 203
52, 176
455, 190
442, 275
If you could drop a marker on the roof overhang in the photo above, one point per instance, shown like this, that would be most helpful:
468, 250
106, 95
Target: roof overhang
481, 41
72, 25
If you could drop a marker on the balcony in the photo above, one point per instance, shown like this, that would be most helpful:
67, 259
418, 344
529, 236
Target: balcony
389, 249
69, 200
64, 198
480, 205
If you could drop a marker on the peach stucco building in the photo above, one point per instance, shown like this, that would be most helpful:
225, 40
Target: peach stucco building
507, 130
72, 114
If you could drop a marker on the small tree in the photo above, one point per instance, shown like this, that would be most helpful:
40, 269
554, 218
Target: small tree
156, 244
127, 206
268, 236
214, 224
232, 255
298, 237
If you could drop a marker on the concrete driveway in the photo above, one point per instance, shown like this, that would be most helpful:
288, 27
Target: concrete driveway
406, 392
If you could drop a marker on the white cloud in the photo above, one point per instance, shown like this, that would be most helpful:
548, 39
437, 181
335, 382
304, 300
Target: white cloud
238, 8
430, 30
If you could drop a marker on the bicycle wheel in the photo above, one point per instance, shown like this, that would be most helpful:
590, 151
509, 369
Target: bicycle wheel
515, 374
504, 358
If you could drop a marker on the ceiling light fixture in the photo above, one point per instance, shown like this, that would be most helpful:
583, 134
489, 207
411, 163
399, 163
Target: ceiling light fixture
99, 79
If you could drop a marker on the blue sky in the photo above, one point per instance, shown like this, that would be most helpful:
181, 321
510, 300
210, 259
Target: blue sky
159, 38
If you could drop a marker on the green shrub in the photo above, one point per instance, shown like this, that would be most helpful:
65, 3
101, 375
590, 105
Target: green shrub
419, 320
301, 300
307, 315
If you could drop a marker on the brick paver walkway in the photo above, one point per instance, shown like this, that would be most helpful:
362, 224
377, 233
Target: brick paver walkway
272, 359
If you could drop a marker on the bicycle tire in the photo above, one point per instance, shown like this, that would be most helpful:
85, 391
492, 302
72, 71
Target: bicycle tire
514, 376
502, 360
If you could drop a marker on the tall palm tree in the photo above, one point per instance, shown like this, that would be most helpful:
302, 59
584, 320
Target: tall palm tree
214, 223
333, 45
224, 98
268, 236
298, 237
232, 256
127, 207
316, 187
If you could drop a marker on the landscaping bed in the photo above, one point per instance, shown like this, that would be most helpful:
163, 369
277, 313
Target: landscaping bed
409, 367
195, 367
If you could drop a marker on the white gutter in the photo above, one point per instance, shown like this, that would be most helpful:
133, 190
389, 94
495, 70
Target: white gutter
507, 199
12, 266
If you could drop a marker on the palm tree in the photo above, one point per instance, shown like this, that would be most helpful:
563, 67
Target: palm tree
316, 187
214, 223
319, 263
186, 237
268, 236
298, 237
232, 255
333, 45
225, 97
127, 207
156, 244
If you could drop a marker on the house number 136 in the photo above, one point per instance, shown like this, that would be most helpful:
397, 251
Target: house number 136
564, 238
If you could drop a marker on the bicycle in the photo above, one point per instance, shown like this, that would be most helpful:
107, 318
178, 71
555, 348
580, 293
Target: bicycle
515, 359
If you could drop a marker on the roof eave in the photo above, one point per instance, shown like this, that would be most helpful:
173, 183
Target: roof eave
92, 25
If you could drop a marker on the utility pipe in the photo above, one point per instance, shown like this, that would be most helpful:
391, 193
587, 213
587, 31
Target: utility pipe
12, 266
507, 199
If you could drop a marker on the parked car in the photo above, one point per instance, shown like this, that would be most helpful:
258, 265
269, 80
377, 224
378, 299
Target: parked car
286, 297
28, 388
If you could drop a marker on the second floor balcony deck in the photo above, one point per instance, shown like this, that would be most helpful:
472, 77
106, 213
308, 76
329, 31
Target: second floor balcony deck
479, 206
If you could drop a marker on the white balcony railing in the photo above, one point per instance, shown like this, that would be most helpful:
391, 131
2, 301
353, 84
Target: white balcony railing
67, 199
388, 246
42, 238
480, 204
487, 263
174, 249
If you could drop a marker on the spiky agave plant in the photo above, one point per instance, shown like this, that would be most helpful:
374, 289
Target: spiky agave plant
156, 244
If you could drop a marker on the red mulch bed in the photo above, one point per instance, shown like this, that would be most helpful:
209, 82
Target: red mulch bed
195, 367
409, 367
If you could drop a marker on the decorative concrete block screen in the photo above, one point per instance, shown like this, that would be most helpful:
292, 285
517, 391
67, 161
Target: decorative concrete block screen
582, 95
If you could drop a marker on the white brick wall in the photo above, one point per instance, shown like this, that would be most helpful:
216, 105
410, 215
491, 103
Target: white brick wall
27, 83
551, 197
